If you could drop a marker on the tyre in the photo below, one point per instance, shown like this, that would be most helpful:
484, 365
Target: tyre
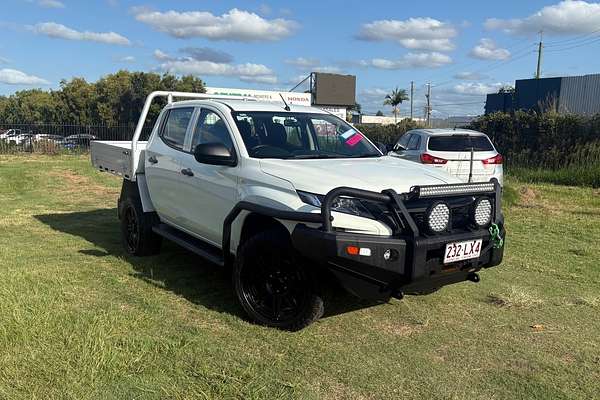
271, 284
136, 229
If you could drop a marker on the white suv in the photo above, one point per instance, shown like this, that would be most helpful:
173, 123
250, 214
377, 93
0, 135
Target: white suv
468, 155
292, 198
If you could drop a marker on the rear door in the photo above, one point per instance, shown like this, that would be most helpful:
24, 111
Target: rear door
457, 150
208, 192
163, 166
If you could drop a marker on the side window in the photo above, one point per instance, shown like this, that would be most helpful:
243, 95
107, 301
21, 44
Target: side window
210, 128
414, 143
175, 127
404, 140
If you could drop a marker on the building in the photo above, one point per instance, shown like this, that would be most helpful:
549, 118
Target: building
571, 94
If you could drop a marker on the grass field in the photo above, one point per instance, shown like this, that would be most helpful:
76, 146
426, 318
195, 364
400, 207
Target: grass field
80, 320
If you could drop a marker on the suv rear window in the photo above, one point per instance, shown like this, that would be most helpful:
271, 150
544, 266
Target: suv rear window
460, 143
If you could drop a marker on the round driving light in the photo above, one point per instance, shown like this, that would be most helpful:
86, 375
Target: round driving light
438, 217
482, 212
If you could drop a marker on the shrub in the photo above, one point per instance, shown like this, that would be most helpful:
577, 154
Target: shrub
388, 134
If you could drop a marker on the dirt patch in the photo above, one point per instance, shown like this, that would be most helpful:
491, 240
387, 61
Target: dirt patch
75, 183
527, 196
400, 329
514, 297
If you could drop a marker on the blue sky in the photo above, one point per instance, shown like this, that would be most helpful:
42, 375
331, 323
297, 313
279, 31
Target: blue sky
464, 48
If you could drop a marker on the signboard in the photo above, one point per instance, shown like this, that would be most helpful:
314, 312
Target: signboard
339, 112
334, 89
299, 99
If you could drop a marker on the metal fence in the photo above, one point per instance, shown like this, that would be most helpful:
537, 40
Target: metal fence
51, 139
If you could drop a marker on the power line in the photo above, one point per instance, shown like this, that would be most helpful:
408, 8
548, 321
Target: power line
594, 40
573, 39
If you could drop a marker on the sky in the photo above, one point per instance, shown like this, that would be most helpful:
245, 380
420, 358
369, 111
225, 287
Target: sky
465, 49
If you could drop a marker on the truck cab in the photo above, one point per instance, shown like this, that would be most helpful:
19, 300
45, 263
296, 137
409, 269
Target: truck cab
293, 198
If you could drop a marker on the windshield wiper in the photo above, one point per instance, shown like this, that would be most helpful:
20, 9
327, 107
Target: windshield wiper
367, 155
312, 156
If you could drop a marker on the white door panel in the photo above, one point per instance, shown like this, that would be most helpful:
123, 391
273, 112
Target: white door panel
207, 197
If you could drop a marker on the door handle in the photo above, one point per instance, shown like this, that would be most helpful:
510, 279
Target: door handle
152, 160
187, 172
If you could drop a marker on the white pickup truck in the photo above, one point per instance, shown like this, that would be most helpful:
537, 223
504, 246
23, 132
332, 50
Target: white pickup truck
293, 198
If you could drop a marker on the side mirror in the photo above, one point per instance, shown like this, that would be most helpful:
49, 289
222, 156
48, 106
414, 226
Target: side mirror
382, 147
214, 154
399, 147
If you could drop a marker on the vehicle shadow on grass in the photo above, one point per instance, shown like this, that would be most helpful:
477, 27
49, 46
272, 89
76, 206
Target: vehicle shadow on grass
174, 269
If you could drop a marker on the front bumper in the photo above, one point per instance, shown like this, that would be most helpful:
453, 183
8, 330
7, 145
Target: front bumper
411, 260
414, 267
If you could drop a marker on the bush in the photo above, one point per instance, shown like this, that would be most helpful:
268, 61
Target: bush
549, 147
388, 134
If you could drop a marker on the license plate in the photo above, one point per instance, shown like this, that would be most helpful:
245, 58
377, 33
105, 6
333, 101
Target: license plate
459, 251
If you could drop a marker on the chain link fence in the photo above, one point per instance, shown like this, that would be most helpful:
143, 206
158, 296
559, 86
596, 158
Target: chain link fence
56, 139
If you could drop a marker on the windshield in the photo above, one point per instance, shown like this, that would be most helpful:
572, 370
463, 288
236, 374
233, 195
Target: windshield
301, 136
460, 143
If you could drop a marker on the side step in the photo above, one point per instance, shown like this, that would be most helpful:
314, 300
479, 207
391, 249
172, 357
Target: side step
197, 246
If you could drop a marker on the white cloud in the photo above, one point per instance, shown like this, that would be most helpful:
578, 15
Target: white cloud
247, 72
161, 55
14, 77
477, 88
413, 33
267, 79
302, 62
410, 60
567, 18
469, 76
128, 59
51, 4
54, 30
488, 50
3, 60
236, 25
330, 69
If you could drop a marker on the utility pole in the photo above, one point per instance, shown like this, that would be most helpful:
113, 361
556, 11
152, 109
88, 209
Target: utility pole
538, 73
412, 93
428, 109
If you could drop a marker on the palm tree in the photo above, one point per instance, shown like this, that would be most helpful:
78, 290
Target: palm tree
395, 98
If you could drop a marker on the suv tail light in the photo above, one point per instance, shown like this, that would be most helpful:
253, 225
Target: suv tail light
494, 160
429, 159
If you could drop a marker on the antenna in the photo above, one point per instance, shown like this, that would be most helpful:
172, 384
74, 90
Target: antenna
287, 107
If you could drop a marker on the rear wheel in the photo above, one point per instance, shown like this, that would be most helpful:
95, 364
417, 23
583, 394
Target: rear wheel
272, 286
136, 229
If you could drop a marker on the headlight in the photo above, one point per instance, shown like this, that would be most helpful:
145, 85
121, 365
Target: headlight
344, 205
438, 217
482, 212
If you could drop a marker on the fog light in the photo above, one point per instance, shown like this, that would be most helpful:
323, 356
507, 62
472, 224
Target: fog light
438, 217
482, 212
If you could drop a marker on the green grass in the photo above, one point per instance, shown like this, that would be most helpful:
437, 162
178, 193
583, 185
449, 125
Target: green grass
572, 175
79, 319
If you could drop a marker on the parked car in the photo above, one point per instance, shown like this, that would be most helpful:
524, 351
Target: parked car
256, 186
18, 138
79, 140
468, 155
9, 133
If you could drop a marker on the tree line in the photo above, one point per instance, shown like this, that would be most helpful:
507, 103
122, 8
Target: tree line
115, 99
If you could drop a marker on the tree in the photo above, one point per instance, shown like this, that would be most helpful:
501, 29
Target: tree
379, 113
394, 99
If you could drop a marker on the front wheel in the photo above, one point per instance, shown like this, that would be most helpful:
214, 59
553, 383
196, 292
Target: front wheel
272, 286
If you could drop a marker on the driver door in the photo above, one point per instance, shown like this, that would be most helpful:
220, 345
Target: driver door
209, 192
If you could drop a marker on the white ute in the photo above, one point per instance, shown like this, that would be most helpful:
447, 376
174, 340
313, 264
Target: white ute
295, 199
